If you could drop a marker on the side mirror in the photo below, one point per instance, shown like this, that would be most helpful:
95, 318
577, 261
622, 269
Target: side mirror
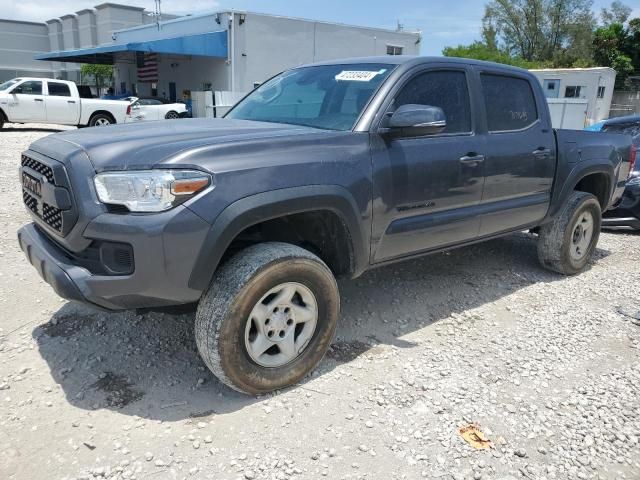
417, 120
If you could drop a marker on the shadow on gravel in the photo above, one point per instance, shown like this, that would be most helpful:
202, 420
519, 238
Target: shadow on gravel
148, 365
30, 129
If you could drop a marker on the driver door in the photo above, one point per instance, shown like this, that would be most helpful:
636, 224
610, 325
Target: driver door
27, 103
427, 188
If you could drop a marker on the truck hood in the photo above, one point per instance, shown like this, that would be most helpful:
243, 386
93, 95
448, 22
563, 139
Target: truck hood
147, 144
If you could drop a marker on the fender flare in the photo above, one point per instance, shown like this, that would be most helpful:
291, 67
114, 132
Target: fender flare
258, 208
574, 177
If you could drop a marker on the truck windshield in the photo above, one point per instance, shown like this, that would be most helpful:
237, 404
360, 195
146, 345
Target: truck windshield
330, 97
8, 84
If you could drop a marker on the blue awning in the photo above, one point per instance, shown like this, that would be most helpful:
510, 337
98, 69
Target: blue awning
211, 44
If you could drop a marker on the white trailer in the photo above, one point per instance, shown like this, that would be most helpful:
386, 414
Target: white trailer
569, 89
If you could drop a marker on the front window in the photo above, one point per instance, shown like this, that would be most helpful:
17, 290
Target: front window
330, 97
32, 87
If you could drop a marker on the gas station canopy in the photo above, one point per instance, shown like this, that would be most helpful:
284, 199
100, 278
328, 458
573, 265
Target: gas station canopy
211, 44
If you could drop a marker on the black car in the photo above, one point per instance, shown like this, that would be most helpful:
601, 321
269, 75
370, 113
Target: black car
627, 213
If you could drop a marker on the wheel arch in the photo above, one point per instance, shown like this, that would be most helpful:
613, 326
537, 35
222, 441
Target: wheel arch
597, 183
596, 178
283, 203
102, 112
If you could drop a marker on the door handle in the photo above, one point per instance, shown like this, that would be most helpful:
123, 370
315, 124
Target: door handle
541, 152
38, 100
472, 159
71, 101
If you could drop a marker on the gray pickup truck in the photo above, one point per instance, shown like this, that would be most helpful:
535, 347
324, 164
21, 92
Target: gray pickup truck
325, 170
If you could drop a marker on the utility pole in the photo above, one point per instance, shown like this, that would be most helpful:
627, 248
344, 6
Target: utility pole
158, 13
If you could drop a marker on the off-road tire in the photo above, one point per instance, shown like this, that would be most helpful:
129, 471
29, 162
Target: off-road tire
225, 307
98, 117
555, 238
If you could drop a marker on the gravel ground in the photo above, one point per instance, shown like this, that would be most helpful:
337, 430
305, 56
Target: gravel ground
548, 368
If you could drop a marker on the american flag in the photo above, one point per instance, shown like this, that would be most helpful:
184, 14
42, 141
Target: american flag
148, 68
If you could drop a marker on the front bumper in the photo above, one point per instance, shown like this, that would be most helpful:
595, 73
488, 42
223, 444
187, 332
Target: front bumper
165, 247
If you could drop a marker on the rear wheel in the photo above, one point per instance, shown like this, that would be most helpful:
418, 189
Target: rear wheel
566, 244
101, 120
171, 115
267, 318
1, 120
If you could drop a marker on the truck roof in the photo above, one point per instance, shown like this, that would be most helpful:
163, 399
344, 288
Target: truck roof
411, 60
20, 79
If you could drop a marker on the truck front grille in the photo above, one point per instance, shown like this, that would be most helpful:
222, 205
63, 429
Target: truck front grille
52, 216
46, 192
39, 167
30, 202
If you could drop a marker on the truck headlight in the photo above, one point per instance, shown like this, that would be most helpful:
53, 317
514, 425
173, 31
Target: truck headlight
150, 190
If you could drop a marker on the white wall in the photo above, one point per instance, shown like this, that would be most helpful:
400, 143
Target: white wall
265, 45
589, 79
110, 17
19, 43
569, 113
87, 32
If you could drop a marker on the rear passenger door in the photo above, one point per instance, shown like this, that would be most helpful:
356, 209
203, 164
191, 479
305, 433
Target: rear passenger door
426, 188
61, 107
520, 154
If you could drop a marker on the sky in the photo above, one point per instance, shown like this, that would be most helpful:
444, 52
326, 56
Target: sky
442, 22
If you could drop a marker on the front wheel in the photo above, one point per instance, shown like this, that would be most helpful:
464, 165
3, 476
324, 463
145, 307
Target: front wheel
172, 115
267, 318
566, 244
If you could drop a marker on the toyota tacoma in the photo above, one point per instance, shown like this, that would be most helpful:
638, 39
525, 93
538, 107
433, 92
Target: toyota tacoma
323, 171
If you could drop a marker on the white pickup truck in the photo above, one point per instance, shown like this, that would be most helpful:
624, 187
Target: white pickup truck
42, 100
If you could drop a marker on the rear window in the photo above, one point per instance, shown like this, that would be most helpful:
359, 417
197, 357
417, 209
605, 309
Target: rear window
509, 102
59, 89
632, 129
150, 101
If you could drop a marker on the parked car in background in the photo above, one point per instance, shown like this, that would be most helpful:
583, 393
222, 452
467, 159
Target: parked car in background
43, 100
596, 127
154, 108
626, 214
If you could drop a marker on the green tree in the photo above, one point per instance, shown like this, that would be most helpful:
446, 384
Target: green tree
609, 51
618, 12
480, 51
557, 31
102, 74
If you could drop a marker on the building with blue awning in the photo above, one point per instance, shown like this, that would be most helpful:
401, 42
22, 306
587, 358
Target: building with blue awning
227, 52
